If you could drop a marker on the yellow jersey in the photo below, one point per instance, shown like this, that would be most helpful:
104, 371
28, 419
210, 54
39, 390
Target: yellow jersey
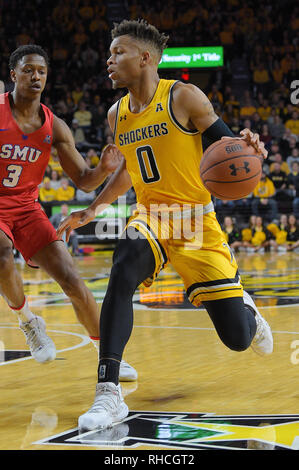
162, 157
65, 194
264, 189
47, 195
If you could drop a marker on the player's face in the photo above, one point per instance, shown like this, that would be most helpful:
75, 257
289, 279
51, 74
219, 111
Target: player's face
124, 64
30, 75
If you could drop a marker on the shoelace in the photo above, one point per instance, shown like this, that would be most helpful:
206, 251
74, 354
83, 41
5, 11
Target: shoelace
260, 331
125, 365
35, 340
105, 401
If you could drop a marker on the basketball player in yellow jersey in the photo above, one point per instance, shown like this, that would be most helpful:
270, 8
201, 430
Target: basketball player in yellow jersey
159, 127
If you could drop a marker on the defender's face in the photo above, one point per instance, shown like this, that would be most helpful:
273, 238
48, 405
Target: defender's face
124, 64
30, 75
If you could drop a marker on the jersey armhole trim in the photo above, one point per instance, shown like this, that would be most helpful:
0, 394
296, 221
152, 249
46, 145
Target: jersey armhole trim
172, 116
48, 113
116, 119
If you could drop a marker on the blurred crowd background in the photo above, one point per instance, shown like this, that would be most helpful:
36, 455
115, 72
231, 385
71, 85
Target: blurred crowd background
256, 89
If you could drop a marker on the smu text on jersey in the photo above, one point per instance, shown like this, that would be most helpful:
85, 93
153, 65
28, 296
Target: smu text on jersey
21, 153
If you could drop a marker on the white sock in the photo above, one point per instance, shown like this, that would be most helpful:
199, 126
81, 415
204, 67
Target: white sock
24, 313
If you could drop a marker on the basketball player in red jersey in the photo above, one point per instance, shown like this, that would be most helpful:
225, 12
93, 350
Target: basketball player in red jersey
28, 130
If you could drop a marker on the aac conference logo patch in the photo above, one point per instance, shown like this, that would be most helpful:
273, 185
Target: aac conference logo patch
193, 431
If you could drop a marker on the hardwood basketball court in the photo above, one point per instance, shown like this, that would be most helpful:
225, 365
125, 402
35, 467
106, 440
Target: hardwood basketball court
192, 392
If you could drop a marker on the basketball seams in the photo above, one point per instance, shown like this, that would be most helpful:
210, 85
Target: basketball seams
211, 148
229, 158
233, 154
236, 181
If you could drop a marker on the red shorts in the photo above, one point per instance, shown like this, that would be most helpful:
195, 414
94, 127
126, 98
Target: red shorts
26, 225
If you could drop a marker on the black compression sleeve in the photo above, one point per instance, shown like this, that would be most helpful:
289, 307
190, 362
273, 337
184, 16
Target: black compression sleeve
215, 132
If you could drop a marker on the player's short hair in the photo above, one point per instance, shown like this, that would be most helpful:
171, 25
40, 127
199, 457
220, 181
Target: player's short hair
142, 30
26, 50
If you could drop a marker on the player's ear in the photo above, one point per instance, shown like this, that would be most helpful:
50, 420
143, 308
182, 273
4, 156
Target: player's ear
13, 75
145, 58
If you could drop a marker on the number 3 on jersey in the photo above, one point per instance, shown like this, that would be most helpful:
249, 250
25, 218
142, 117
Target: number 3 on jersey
147, 164
13, 176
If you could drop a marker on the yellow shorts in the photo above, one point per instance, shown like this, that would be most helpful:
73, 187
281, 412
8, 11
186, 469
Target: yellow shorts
199, 254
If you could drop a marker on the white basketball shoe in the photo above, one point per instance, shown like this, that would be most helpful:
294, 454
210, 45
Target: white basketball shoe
262, 342
127, 373
108, 408
41, 346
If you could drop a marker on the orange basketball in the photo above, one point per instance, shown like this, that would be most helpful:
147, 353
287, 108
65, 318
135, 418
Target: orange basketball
230, 169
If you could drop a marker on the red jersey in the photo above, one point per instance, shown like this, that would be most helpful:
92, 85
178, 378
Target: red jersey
23, 157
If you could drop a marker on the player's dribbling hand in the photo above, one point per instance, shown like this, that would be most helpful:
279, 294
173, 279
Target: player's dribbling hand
254, 140
75, 220
251, 139
111, 158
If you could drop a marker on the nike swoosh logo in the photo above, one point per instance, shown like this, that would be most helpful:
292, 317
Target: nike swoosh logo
4, 129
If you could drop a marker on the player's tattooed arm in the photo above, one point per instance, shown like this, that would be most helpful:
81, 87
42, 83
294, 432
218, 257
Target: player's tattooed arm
73, 163
192, 108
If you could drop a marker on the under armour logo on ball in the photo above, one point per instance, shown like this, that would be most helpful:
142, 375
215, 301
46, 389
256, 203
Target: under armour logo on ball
235, 168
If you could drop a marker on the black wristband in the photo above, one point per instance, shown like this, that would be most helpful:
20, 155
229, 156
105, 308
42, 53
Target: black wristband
215, 132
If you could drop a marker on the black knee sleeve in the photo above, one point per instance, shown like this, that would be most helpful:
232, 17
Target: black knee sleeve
233, 321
